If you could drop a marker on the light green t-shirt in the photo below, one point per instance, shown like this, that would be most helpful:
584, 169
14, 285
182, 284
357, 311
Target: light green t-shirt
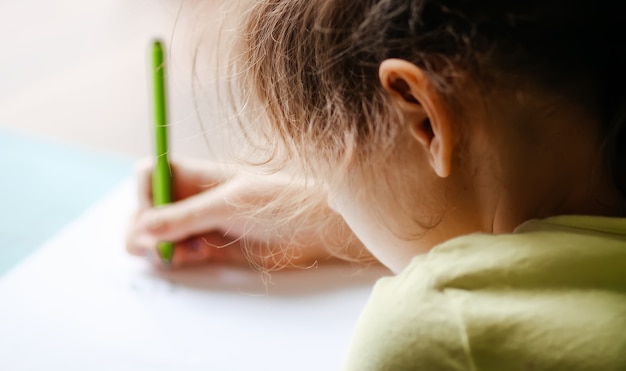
551, 296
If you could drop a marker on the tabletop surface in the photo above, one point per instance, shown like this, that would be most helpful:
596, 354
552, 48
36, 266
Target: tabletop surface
113, 311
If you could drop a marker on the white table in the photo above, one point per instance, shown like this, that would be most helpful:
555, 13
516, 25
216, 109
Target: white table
81, 303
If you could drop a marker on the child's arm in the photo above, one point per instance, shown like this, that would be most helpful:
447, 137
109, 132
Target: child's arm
221, 216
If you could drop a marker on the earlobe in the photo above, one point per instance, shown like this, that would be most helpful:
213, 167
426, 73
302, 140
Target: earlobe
439, 152
441, 157
429, 120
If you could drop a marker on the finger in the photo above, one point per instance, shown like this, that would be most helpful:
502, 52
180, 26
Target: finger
211, 248
190, 176
183, 219
191, 252
138, 240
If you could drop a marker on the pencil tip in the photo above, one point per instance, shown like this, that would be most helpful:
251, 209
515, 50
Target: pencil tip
166, 265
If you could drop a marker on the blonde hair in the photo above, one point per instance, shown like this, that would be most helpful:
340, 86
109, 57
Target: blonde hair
308, 69
306, 72
307, 102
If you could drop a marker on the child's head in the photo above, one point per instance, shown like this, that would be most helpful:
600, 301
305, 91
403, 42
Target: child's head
439, 118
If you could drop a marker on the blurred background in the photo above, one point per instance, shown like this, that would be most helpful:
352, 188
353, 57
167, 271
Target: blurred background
77, 70
75, 110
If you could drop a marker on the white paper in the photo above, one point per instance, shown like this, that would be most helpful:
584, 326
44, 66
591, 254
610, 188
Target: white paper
81, 303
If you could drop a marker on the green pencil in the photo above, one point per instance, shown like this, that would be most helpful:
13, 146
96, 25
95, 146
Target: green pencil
161, 175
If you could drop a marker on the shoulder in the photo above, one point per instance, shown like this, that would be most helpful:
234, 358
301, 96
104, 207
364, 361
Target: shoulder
552, 296
542, 299
561, 251
408, 325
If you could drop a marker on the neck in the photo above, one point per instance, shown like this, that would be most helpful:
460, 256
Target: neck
543, 169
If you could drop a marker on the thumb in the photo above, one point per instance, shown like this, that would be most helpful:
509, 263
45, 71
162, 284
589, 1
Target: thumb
200, 213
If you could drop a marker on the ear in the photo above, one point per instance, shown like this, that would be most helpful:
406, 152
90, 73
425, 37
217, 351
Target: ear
428, 118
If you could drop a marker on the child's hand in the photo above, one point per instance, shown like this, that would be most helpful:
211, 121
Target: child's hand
192, 222
213, 218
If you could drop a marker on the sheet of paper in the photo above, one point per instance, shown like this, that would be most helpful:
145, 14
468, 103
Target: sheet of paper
81, 303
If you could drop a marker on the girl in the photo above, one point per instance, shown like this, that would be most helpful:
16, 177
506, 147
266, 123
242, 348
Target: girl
476, 148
